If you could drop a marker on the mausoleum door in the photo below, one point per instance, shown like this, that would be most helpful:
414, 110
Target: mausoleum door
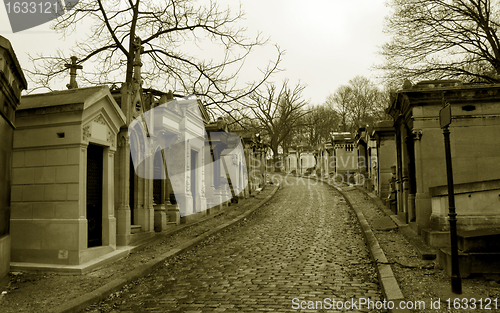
94, 195
158, 183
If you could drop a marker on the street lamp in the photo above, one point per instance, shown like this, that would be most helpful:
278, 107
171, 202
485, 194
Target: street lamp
445, 121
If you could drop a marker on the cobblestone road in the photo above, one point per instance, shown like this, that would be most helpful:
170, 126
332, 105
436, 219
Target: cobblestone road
305, 244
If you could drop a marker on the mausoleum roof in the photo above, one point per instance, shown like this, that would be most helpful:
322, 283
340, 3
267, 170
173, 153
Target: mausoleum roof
5, 44
57, 98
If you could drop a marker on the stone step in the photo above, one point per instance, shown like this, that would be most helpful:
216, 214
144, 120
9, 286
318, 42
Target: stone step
480, 240
424, 251
470, 263
134, 229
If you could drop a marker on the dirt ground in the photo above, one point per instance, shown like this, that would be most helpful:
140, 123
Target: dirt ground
423, 280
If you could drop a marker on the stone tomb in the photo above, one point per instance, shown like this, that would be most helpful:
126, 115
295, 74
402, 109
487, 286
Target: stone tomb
234, 165
12, 82
251, 143
63, 176
420, 161
384, 135
345, 157
178, 130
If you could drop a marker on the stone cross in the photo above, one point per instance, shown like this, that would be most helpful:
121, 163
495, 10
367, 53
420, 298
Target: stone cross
72, 72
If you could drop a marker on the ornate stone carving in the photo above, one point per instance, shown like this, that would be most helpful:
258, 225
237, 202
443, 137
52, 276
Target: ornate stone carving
111, 138
100, 119
416, 134
86, 132
123, 140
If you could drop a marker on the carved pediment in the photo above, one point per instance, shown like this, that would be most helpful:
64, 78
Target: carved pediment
98, 128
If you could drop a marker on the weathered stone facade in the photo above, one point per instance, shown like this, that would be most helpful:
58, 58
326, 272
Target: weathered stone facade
63, 176
12, 82
384, 136
421, 159
345, 157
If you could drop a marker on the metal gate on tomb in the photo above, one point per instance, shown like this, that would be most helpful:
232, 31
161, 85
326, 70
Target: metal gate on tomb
94, 195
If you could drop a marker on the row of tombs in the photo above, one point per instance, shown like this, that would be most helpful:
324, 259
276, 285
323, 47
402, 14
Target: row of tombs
402, 160
76, 181
86, 170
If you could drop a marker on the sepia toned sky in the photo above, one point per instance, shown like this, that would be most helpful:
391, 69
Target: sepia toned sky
327, 42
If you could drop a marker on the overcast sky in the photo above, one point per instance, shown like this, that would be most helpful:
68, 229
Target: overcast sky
327, 42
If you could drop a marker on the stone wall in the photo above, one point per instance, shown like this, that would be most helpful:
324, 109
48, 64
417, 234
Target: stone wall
12, 82
45, 190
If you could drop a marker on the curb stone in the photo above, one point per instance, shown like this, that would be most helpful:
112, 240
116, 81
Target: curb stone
101, 293
388, 282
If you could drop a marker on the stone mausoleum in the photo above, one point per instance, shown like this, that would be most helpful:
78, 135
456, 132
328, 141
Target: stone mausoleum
63, 176
421, 180
12, 82
421, 165
77, 192
345, 156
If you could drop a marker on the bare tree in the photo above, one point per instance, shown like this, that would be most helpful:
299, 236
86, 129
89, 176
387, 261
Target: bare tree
440, 39
160, 30
275, 113
358, 103
314, 130
318, 124
341, 101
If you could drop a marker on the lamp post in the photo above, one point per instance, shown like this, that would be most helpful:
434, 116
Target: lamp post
445, 121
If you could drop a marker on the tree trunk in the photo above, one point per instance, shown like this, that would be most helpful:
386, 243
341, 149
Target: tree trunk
276, 160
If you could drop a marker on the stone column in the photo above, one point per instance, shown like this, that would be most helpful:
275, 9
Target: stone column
173, 214
122, 177
108, 212
172, 209
147, 208
187, 197
82, 192
160, 177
